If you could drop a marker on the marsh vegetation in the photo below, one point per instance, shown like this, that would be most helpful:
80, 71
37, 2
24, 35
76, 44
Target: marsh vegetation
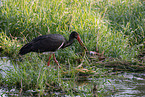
113, 28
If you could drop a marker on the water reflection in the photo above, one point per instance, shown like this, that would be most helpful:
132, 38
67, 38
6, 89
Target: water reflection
129, 84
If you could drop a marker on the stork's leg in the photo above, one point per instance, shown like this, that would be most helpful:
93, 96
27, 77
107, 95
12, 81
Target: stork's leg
49, 60
56, 60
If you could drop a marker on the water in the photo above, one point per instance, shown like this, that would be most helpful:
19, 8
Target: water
122, 85
5, 65
129, 85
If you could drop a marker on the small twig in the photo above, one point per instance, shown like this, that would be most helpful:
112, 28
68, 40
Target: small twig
80, 64
21, 87
82, 60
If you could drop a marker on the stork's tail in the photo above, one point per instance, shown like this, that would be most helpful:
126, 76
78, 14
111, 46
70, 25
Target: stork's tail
25, 49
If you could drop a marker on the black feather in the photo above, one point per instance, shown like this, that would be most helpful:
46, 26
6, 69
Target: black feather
43, 43
26, 49
50, 42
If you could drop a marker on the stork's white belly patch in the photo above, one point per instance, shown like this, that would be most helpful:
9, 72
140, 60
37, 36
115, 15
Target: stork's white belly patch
60, 45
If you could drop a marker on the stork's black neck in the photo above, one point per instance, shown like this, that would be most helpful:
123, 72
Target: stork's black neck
68, 43
72, 36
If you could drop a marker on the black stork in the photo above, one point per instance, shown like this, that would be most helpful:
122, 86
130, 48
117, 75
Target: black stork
50, 43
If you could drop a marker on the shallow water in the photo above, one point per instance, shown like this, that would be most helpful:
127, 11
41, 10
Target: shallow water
129, 85
5, 65
122, 85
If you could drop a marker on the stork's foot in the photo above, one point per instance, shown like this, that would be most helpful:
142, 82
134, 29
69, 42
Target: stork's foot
59, 66
49, 60
56, 61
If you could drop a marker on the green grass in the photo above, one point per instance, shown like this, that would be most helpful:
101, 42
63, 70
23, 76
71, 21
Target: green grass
107, 24
113, 26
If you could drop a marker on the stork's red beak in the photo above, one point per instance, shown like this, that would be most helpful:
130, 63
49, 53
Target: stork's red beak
81, 43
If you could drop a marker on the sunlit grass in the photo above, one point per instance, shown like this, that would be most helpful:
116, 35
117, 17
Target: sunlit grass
101, 23
113, 26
